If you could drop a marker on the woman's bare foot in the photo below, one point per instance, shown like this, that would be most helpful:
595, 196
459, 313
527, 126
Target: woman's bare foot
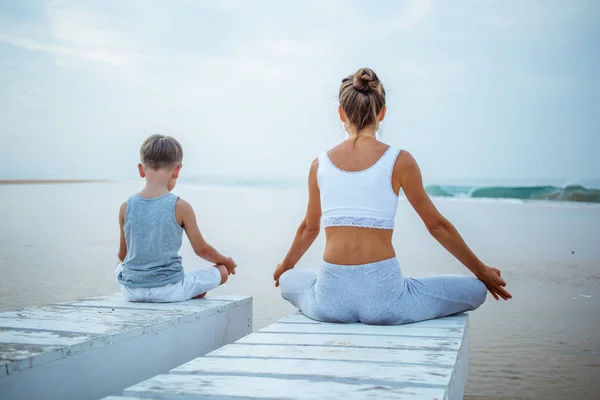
200, 296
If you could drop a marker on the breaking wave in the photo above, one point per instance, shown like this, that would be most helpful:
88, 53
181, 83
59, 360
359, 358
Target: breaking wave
568, 193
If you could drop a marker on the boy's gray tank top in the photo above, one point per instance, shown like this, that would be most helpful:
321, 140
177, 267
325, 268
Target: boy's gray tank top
153, 239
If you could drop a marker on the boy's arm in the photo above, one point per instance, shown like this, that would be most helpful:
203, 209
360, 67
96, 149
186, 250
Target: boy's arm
187, 219
122, 245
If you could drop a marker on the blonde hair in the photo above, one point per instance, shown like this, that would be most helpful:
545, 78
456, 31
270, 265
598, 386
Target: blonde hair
160, 151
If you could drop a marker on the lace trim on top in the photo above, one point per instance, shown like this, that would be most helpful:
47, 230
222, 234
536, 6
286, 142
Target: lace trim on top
359, 222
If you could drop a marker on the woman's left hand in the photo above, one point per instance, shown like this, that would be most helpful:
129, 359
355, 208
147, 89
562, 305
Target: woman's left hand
279, 271
492, 278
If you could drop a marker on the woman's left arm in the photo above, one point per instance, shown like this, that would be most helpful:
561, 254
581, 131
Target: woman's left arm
309, 228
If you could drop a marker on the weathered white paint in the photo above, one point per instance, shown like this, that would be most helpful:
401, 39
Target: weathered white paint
117, 301
43, 338
122, 316
96, 328
96, 347
347, 371
455, 321
299, 359
358, 329
343, 340
177, 387
456, 389
436, 357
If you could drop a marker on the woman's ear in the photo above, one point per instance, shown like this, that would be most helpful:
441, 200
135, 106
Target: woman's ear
381, 115
141, 170
343, 116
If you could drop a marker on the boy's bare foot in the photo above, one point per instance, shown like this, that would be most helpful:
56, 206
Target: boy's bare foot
200, 296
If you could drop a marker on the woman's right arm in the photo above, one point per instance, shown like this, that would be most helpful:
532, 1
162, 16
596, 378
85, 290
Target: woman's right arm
408, 176
309, 227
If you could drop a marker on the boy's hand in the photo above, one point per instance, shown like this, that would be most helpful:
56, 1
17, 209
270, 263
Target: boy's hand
230, 265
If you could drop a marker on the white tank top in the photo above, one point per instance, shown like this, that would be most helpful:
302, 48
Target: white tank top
363, 198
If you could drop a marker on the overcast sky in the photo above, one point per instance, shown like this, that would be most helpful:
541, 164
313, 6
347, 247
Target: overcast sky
476, 89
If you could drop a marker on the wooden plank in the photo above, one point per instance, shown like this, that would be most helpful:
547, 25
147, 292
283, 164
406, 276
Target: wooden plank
98, 315
361, 329
121, 323
63, 326
197, 306
117, 299
31, 332
190, 387
23, 349
19, 357
42, 338
22, 356
60, 351
455, 321
388, 342
228, 297
437, 357
344, 371
299, 359
14, 352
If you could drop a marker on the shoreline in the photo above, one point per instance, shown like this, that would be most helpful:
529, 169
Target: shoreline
228, 185
50, 181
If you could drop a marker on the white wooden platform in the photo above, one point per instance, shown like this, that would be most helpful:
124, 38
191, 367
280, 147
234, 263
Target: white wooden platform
298, 358
98, 346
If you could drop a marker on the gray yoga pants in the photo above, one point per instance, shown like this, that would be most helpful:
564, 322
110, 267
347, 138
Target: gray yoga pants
378, 294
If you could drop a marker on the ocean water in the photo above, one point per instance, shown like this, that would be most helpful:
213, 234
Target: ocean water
554, 190
572, 193
59, 242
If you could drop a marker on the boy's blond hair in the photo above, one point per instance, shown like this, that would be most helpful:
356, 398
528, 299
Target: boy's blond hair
160, 151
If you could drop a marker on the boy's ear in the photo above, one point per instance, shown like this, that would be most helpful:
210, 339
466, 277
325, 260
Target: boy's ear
176, 171
141, 170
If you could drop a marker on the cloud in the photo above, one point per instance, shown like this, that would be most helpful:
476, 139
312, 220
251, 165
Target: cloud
232, 74
415, 13
76, 37
80, 28
60, 51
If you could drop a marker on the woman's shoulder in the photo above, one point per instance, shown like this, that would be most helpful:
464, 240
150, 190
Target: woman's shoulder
405, 163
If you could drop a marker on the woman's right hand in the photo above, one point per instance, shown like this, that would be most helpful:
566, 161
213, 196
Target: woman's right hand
279, 271
492, 279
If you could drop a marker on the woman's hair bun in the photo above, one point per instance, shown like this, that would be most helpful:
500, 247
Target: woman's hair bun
365, 80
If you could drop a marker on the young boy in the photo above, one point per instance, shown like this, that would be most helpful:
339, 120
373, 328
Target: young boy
152, 225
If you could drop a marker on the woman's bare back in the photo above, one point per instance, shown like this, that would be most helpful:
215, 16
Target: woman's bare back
347, 245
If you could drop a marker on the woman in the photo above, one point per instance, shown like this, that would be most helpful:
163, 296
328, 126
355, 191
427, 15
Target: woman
355, 187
